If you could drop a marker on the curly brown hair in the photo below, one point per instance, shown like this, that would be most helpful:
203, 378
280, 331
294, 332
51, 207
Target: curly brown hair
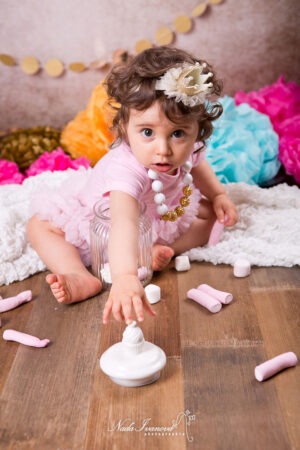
132, 85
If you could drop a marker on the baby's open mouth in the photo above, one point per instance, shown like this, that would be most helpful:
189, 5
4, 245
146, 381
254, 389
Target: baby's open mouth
162, 167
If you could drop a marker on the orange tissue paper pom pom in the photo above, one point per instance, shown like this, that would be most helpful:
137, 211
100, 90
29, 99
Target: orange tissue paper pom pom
89, 134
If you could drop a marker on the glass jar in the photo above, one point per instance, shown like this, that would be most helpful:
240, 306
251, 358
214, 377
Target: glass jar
99, 234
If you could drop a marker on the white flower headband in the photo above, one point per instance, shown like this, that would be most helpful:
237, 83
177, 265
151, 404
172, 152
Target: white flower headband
187, 83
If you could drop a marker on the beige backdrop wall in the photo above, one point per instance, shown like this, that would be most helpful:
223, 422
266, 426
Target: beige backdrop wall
250, 42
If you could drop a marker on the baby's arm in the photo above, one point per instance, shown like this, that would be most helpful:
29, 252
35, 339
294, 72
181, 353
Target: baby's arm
209, 185
126, 291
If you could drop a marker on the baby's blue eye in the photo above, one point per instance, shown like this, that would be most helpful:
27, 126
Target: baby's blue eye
147, 132
178, 133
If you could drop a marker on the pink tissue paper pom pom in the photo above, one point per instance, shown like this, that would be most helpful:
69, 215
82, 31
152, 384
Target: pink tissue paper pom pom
9, 173
56, 160
281, 102
289, 155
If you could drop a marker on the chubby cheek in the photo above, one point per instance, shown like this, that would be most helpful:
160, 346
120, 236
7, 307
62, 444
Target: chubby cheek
184, 154
142, 153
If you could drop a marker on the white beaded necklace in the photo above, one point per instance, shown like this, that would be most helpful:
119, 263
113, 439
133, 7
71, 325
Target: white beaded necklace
160, 198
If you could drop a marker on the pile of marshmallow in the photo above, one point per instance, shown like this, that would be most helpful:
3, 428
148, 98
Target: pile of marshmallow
207, 296
18, 336
213, 299
241, 268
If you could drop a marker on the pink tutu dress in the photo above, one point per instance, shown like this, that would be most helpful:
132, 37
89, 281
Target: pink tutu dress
70, 207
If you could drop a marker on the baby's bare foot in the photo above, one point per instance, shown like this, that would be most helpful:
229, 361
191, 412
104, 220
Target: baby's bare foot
73, 287
161, 256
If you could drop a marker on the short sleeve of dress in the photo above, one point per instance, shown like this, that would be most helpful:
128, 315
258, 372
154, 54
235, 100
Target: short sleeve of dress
119, 171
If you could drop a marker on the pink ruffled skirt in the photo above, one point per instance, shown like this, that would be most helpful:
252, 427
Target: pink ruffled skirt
65, 209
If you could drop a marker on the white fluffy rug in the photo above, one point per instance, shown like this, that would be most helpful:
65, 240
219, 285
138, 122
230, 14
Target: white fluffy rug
268, 232
18, 260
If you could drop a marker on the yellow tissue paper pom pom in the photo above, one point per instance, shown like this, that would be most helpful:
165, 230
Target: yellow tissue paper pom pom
89, 134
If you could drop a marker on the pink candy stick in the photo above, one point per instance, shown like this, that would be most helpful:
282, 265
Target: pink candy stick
23, 338
12, 302
205, 300
215, 234
223, 297
274, 365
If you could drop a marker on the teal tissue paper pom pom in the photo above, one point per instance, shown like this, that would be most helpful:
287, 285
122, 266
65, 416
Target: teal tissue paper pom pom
243, 145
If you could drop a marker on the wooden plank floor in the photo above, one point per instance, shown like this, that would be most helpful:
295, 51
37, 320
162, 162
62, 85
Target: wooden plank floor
207, 398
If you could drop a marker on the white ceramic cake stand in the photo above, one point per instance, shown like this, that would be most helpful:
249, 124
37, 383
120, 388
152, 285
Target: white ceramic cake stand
134, 361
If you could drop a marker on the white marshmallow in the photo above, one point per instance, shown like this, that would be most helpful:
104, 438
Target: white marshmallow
153, 293
241, 268
182, 263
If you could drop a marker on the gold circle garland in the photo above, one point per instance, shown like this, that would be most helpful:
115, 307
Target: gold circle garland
199, 10
142, 45
77, 67
54, 67
164, 36
183, 24
30, 65
7, 60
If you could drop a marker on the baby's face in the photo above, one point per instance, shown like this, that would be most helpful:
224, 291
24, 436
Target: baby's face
158, 143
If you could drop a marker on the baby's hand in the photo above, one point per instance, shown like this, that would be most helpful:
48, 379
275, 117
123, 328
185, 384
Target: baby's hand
126, 292
225, 210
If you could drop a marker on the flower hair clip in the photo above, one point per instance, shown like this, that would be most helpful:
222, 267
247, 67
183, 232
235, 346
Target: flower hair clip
187, 83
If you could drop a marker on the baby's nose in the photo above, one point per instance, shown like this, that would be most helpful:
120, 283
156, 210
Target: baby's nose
163, 147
